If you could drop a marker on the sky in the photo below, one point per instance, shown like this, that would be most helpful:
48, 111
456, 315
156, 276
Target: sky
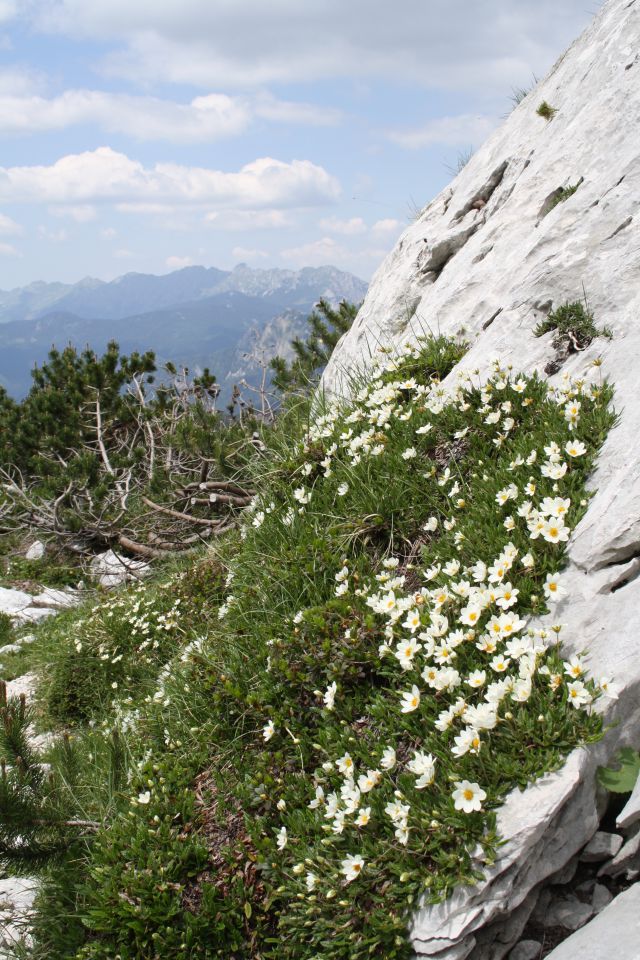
149, 135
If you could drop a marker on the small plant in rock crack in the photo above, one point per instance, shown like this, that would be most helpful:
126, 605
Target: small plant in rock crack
574, 327
546, 111
562, 194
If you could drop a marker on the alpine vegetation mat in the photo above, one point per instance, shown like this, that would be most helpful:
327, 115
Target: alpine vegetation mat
358, 691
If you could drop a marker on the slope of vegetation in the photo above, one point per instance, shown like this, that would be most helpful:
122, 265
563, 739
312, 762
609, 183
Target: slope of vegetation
281, 748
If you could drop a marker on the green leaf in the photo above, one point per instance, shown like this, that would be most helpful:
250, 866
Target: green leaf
621, 780
247, 910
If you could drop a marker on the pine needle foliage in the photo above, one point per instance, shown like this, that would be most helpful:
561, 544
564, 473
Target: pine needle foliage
311, 354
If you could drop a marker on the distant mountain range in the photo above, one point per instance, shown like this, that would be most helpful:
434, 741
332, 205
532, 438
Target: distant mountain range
198, 316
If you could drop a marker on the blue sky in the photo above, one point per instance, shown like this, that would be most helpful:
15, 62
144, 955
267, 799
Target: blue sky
146, 135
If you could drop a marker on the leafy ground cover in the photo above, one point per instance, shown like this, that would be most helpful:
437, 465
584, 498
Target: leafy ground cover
350, 690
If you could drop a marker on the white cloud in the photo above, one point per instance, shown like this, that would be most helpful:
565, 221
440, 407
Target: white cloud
8, 10
248, 253
109, 233
347, 227
388, 225
318, 253
248, 219
106, 175
248, 43
81, 214
143, 118
288, 111
177, 263
460, 130
123, 254
9, 226
18, 81
202, 120
54, 236
8, 250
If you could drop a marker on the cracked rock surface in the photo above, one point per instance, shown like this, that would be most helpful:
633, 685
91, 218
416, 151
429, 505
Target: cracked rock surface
481, 261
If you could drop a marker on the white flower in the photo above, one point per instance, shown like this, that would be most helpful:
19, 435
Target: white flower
364, 815
397, 812
424, 766
368, 781
468, 796
268, 730
412, 622
468, 741
342, 574
345, 765
282, 838
410, 700
521, 690
145, 797
553, 589
527, 561
341, 589
609, 689
311, 881
343, 489
329, 695
578, 695
574, 667
470, 615
555, 506
301, 495
318, 800
555, 531
575, 448
507, 596
409, 453
508, 493
388, 761
406, 651
352, 867
477, 678
500, 663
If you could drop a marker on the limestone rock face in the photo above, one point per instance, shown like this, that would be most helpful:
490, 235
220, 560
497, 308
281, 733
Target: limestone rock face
615, 931
489, 257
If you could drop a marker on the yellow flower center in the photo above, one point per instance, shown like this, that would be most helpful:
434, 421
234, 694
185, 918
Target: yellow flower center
468, 794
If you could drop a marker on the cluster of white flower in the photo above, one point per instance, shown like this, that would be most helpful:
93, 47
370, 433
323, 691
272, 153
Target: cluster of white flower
458, 639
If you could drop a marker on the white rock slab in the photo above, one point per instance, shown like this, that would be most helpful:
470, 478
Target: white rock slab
35, 551
50, 598
507, 266
110, 569
16, 901
25, 684
614, 932
13, 602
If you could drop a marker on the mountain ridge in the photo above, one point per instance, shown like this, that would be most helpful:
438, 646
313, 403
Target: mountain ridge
197, 316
